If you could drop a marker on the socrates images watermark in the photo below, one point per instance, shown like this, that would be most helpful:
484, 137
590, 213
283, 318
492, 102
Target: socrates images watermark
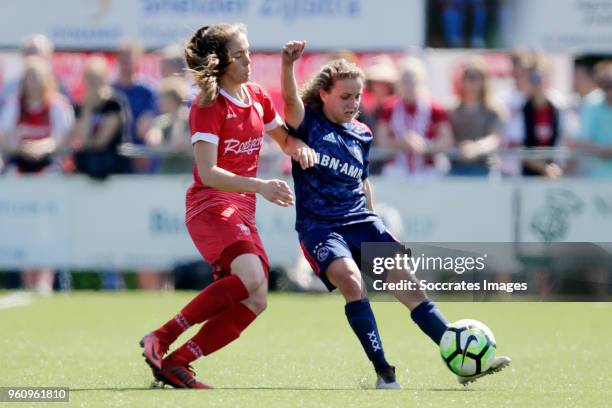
408, 265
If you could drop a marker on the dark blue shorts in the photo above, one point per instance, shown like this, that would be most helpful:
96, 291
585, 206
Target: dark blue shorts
321, 246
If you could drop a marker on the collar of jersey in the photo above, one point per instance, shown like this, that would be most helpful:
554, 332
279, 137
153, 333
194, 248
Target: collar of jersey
235, 101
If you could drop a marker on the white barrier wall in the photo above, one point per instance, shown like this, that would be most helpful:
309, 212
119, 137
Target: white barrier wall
137, 221
560, 25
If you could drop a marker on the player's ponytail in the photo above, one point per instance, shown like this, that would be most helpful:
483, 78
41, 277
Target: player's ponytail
325, 79
207, 57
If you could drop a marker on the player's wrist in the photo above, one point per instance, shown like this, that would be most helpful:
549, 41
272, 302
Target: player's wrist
257, 184
288, 64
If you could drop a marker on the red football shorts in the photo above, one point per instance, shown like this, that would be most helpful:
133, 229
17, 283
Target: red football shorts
221, 234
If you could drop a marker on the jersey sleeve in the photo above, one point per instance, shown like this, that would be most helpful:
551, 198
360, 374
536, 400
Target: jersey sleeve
438, 113
494, 122
302, 131
205, 123
271, 118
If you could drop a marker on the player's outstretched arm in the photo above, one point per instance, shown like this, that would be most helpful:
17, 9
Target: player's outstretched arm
294, 107
275, 191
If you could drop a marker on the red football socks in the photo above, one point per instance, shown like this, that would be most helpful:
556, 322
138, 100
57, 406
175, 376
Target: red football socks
216, 333
213, 300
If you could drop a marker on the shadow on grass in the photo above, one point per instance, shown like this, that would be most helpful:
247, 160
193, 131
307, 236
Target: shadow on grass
288, 388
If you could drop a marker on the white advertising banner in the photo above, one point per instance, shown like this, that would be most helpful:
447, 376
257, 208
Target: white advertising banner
449, 211
325, 24
566, 212
561, 25
136, 222
35, 219
130, 222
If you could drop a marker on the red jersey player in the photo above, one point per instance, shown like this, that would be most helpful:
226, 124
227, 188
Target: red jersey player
227, 123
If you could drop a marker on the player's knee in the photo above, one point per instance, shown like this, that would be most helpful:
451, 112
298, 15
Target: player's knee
349, 283
250, 269
257, 302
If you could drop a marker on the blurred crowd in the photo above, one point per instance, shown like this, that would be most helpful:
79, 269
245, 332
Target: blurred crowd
482, 132
43, 129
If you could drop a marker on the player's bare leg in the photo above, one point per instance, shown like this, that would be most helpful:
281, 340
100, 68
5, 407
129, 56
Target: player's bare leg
409, 298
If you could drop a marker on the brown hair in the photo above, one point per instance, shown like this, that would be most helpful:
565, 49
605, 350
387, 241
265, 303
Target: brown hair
603, 70
207, 57
326, 77
43, 69
476, 66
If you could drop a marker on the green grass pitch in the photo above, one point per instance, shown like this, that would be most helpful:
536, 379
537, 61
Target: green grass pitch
301, 353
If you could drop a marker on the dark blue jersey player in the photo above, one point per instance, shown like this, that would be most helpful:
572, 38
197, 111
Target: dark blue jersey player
334, 205
332, 194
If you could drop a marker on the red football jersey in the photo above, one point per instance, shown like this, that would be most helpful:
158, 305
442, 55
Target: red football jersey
544, 126
33, 124
237, 128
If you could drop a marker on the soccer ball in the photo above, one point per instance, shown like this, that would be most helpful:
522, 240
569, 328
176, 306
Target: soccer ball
467, 347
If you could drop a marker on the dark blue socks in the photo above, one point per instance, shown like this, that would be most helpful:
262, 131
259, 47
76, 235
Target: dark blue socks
429, 318
362, 321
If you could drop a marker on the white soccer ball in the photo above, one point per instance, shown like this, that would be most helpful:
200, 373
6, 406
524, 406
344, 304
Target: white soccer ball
468, 347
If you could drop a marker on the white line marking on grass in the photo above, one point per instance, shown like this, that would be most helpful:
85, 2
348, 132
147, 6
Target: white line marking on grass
19, 299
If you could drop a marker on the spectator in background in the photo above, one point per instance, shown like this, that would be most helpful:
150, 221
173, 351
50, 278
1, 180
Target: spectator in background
585, 84
586, 93
514, 129
37, 45
542, 121
414, 125
100, 126
476, 122
172, 61
141, 99
381, 77
33, 125
595, 136
173, 64
171, 129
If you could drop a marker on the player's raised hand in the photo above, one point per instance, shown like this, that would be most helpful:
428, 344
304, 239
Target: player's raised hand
292, 51
277, 192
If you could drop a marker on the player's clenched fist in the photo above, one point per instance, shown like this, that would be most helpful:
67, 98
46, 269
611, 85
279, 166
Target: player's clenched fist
293, 50
277, 192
